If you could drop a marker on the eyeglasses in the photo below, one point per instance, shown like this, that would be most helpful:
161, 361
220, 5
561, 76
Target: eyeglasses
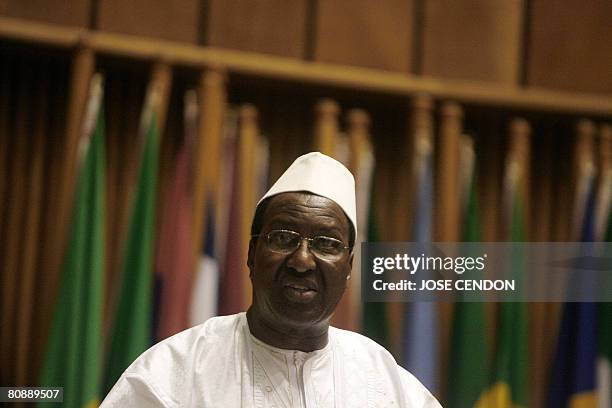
286, 242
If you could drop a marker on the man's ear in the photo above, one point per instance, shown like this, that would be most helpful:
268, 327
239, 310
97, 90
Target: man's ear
251, 256
350, 262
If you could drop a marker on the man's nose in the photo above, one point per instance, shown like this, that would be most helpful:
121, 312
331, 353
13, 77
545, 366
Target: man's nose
302, 260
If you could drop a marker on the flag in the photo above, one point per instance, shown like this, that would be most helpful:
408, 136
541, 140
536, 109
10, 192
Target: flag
604, 232
249, 146
421, 318
344, 315
375, 324
468, 363
206, 283
132, 332
205, 296
364, 178
174, 258
604, 357
73, 358
231, 293
574, 367
508, 386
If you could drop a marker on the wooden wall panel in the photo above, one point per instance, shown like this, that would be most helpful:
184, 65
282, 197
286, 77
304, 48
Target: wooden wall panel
473, 39
268, 26
570, 46
362, 33
66, 12
168, 19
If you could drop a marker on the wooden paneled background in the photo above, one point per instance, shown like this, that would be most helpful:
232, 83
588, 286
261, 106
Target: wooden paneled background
71, 12
355, 33
569, 46
272, 26
531, 42
473, 39
170, 20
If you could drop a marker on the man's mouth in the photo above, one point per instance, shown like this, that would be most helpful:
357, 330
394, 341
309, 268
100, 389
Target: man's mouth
300, 287
299, 292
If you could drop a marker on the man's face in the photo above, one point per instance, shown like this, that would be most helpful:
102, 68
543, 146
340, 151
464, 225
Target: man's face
299, 288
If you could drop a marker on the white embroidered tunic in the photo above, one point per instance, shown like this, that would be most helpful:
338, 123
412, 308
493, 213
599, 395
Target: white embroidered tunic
220, 364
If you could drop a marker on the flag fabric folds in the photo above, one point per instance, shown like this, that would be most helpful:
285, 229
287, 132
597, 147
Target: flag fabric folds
250, 171
573, 381
231, 290
174, 257
375, 324
206, 282
421, 318
363, 177
132, 332
344, 313
468, 365
508, 386
205, 295
604, 358
604, 233
73, 358
574, 366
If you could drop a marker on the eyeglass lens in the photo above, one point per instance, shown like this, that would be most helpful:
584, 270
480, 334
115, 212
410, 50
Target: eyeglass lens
284, 241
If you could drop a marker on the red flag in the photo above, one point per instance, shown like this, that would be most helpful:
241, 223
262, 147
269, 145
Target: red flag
174, 262
231, 293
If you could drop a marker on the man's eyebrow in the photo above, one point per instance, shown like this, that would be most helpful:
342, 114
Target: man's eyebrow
329, 228
287, 221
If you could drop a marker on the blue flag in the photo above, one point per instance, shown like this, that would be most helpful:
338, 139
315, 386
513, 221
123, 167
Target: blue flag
574, 367
420, 325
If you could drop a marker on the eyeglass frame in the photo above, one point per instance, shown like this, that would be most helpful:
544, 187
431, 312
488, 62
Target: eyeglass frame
302, 238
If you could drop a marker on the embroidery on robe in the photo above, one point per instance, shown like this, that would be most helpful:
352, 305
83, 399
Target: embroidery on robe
265, 394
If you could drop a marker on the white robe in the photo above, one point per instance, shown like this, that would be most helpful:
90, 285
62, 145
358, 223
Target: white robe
220, 364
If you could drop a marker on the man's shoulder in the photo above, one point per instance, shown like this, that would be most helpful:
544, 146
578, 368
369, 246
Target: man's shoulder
180, 349
365, 357
165, 373
211, 330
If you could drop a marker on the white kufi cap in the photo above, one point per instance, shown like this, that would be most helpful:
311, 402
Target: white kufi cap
321, 175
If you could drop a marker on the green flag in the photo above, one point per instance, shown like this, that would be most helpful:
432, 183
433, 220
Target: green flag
132, 332
73, 358
508, 388
375, 313
468, 359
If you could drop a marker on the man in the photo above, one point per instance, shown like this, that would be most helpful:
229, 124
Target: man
282, 352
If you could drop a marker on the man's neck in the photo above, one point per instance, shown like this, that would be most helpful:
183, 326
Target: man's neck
307, 340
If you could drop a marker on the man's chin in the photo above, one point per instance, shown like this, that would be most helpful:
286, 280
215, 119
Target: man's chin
300, 317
